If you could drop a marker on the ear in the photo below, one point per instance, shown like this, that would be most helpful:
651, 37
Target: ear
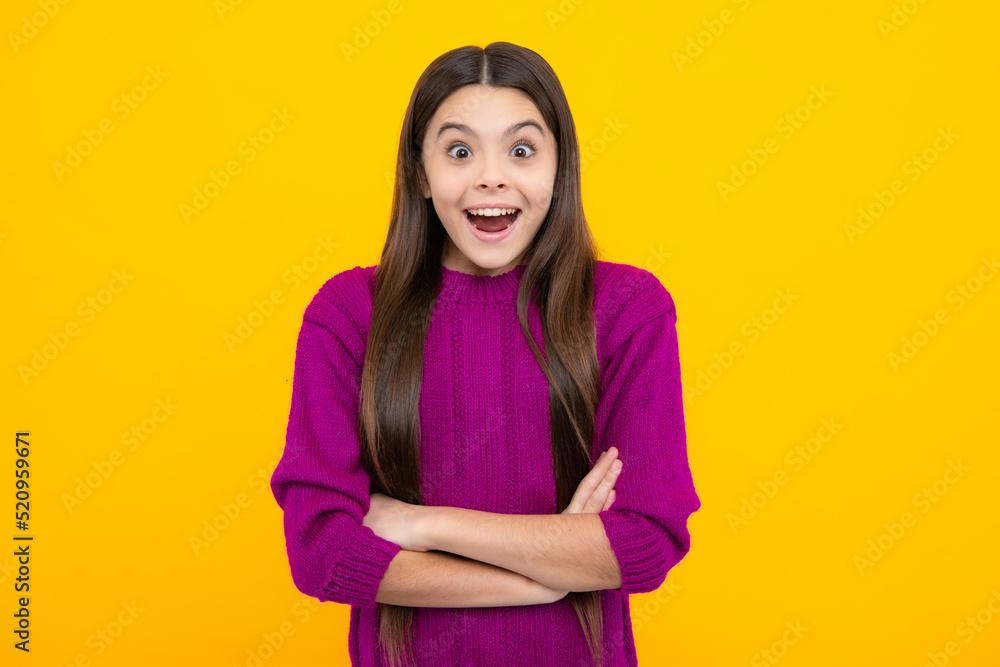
425, 188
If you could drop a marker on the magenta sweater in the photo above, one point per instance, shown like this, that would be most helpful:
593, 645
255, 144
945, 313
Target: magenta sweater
485, 445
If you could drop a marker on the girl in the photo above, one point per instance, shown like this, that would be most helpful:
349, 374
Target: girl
463, 411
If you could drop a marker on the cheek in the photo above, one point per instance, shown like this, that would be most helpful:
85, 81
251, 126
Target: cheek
541, 197
448, 191
539, 187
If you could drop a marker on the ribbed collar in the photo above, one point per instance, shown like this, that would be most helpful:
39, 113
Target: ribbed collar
459, 286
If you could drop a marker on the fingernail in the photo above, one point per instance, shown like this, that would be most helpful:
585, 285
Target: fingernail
617, 466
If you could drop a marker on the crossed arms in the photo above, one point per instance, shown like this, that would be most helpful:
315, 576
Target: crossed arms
455, 557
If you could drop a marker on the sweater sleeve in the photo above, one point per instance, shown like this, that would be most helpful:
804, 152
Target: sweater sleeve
320, 482
640, 411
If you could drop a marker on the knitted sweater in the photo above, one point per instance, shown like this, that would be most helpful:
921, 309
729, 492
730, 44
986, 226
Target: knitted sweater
484, 408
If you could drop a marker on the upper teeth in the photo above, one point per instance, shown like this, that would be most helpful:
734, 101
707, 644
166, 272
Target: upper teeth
491, 211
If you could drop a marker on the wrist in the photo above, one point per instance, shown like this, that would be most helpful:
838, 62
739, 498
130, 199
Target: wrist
542, 594
423, 528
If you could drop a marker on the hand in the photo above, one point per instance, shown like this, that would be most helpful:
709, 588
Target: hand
595, 492
394, 520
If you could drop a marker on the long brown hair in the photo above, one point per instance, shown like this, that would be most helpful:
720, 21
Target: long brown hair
559, 276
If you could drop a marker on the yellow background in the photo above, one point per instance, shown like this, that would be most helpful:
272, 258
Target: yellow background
652, 199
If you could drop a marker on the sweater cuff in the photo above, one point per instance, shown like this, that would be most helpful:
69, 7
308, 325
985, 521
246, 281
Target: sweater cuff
638, 548
360, 568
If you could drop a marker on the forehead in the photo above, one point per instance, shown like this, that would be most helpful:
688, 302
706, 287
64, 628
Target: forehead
485, 108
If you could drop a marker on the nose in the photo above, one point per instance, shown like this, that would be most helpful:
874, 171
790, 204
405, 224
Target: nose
491, 174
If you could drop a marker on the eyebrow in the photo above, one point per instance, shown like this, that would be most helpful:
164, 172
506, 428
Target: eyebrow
510, 130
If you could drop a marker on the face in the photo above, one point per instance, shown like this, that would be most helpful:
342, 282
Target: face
488, 148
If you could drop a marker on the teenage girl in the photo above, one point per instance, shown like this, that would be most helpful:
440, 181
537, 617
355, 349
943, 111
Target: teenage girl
486, 453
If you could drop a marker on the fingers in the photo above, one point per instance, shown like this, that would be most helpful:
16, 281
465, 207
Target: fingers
606, 458
604, 490
594, 489
598, 472
611, 499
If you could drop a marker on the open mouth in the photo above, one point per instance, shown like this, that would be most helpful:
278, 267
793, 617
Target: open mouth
491, 219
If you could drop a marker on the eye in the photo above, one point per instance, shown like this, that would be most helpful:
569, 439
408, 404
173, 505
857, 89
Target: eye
459, 146
524, 143
522, 146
